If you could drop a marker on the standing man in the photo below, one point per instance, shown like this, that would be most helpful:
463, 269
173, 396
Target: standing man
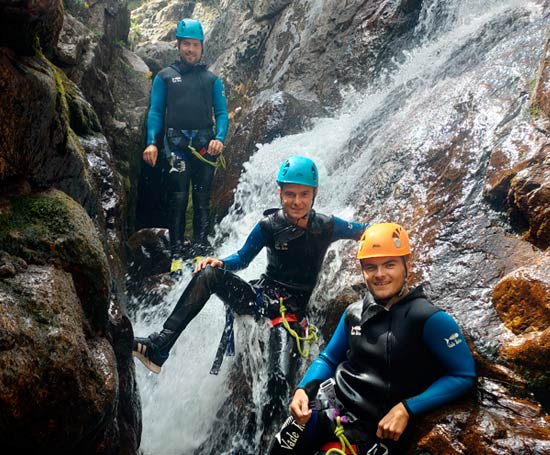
393, 356
296, 239
185, 99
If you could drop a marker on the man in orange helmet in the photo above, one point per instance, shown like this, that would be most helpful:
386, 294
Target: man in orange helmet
393, 356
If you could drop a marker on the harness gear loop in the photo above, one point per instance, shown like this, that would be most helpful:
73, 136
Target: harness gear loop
346, 448
311, 333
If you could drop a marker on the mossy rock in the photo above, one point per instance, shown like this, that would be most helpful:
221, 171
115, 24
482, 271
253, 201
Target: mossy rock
51, 228
82, 117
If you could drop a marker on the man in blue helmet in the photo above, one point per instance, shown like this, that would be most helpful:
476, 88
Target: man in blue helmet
296, 239
185, 99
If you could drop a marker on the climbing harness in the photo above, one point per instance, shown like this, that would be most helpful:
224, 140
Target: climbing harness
226, 345
173, 138
311, 330
327, 402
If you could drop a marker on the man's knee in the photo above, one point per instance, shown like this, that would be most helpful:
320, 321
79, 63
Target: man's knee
210, 276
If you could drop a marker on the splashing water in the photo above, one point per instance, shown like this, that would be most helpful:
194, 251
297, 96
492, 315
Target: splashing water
466, 73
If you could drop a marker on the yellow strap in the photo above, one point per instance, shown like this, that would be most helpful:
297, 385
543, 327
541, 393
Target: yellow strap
220, 162
339, 432
310, 339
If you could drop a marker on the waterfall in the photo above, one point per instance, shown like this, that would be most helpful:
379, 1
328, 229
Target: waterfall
467, 73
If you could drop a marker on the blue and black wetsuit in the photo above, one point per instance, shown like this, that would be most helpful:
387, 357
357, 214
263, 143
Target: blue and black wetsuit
413, 353
185, 99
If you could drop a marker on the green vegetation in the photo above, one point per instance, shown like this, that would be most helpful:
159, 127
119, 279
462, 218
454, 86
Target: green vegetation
535, 112
33, 222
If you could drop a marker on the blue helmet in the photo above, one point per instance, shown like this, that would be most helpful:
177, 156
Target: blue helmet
298, 170
190, 28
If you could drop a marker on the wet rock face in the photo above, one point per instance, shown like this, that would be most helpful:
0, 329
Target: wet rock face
62, 387
51, 228
52, 367
29, 26
149, 253
492, 422
61, 340
32, 131
265, 9
529, 199
522, 300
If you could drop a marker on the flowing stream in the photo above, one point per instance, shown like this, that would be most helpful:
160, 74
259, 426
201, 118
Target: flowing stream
467, 74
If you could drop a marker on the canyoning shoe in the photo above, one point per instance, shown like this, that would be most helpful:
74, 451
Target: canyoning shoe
149, 353
176, 266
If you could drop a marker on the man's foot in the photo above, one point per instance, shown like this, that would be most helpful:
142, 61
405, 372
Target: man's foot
149, 353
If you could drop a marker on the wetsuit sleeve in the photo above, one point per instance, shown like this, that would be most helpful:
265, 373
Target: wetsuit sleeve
324, 366
220, 109
443, 337
347, 230
240, 260
155, 118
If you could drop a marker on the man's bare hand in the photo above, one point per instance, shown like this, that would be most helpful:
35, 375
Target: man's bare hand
150, 155
299, 407
393, 424
212, 262
215, 147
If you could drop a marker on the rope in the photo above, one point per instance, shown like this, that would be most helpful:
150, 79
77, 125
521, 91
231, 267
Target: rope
339, 432
220, 162
310, 339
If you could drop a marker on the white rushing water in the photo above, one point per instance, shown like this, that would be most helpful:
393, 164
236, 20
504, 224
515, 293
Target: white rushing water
471, 53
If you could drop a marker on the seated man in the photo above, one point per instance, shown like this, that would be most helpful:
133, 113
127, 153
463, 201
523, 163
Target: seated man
392, 356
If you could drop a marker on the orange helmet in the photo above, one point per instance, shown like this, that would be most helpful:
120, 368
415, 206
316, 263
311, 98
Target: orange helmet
384, 239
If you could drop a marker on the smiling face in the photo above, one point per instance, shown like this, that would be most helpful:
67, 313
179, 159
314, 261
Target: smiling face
296, 200
190, 50
385, 276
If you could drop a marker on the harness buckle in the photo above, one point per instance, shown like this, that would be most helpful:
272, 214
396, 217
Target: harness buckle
176, 163
378, 449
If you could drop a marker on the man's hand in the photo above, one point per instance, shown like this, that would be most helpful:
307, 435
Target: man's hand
150, 155
299, 407
212, 262
393, 424
215, 147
